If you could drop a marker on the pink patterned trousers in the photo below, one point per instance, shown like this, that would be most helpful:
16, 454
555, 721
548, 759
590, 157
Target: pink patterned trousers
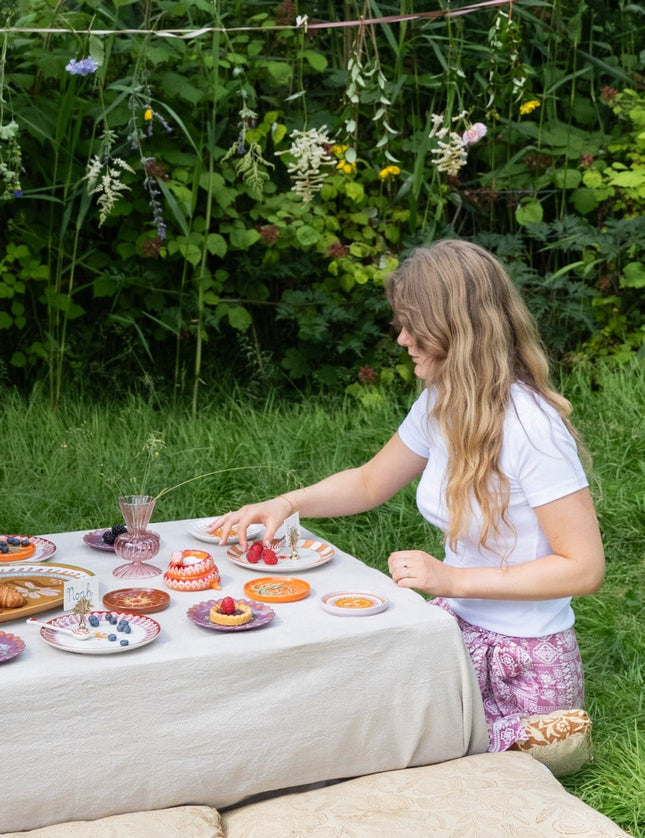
521, 676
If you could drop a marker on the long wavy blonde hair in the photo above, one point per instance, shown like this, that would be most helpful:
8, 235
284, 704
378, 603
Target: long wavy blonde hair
459, 305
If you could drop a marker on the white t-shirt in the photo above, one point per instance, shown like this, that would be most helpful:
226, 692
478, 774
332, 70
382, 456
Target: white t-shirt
540, 460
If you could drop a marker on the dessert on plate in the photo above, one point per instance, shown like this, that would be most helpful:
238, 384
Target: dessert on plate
191, 570
228, 612
16, 547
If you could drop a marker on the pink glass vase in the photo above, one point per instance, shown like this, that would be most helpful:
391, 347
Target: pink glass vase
138, 544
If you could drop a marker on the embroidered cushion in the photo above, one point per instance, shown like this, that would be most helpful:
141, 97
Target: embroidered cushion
178, 822
562, 741
505, 795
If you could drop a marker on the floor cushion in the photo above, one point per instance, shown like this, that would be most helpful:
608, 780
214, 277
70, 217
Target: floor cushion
562, 740
502, 795
178, 822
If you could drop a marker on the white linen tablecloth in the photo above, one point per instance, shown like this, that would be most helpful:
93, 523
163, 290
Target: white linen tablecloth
201, 716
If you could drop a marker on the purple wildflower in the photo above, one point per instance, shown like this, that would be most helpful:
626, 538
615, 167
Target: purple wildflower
83, 67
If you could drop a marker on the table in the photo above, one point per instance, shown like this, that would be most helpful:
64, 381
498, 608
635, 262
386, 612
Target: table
201, 716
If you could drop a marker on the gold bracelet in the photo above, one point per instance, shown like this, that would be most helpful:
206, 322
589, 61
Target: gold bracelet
292, 509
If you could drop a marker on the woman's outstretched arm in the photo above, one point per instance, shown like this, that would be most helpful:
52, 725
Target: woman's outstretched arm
344, 493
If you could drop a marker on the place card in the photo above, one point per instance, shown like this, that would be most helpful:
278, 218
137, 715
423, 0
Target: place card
291, 528
76, 590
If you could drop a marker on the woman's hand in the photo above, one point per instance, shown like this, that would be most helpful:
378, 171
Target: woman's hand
421, 571
271, 513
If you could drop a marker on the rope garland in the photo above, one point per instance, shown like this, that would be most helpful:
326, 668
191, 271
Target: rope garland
302, 23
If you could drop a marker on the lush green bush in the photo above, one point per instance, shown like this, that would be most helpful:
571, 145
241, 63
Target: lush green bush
191, 188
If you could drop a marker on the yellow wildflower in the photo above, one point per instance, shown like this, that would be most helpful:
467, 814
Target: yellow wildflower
147, 114
338, 150
389, 171
346, 167
529, 107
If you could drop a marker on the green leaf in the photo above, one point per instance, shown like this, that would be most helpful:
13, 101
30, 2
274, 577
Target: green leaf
104, 286
567, 178
280, 72
216, 244
18, 359
354, 191
6, 320
191, 253
239, 318
278, 132
317, 61
529, 212
628, 180
307, 236
633, 275
175, 85
242, 239
584, 200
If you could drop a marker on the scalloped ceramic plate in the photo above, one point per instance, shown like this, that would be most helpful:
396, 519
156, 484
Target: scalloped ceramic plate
200, 615
45, 549
277, 589
312, 554
94, 539
143, 631
353, 603
10, 646
199, 530
137, 600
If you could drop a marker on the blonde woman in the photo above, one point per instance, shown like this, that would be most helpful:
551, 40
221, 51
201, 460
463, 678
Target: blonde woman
500, 473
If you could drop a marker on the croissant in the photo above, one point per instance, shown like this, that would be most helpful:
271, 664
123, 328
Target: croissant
9, 597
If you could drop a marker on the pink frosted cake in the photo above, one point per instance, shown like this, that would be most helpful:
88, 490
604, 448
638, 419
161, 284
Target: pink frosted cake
191, 570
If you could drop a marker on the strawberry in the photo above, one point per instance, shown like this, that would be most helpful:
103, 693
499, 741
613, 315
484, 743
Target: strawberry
227, 605
269, 556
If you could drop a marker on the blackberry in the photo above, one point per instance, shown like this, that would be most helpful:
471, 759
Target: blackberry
110, 535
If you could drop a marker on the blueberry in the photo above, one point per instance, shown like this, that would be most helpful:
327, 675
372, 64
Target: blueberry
25, 542
125, 643
127, 629
4, 548
93, 620
111, 636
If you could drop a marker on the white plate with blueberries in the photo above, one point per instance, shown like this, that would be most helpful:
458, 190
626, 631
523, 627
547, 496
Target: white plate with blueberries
111, 632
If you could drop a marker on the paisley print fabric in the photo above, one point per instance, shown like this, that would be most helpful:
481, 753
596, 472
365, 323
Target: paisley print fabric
522, 676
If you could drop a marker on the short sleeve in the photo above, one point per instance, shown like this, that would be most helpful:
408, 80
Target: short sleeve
413, 431
540, 453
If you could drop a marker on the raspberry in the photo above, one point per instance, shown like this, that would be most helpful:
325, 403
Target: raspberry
227, 605
254, 553
269, 556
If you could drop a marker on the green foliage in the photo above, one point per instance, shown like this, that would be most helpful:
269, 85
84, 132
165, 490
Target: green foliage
255, 179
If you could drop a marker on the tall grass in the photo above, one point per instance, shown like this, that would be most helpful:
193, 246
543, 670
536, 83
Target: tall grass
62, 471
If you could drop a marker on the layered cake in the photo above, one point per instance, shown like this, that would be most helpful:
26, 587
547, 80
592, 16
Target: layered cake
227, 612
191, 570
16, 548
